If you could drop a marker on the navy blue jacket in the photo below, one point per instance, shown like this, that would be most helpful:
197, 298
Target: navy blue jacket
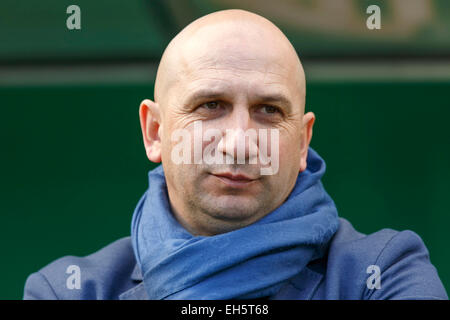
402, 258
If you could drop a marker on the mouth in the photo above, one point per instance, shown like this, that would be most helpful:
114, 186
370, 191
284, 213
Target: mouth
235, 180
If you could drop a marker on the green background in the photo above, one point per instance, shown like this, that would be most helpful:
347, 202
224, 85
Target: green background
72, 161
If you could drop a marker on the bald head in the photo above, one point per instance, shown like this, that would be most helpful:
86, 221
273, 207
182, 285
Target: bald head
229, 38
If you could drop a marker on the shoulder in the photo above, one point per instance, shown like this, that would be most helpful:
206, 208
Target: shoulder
102, 275
386, 264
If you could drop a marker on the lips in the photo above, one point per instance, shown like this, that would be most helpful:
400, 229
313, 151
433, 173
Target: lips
235, 180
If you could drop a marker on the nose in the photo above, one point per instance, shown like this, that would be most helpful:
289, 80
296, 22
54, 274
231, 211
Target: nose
239, 142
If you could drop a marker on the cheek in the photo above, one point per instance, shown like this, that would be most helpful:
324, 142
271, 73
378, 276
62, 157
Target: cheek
166, 147
289, 154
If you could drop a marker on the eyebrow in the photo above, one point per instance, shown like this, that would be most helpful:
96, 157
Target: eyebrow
203, 94
206, 94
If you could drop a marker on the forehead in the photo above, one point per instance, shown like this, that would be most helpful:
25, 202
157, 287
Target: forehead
238, 76
233, 60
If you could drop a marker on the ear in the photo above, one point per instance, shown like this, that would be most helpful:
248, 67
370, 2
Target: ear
150, 118
308, 122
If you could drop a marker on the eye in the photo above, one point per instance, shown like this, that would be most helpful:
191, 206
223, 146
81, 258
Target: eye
211, 109
270, 109
212, 105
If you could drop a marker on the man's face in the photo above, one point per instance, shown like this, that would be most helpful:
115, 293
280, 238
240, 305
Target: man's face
232, 83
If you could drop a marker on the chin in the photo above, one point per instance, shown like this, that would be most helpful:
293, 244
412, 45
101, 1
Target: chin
235, 208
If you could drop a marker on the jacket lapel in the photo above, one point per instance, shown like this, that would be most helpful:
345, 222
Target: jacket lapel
137, 292
301, 287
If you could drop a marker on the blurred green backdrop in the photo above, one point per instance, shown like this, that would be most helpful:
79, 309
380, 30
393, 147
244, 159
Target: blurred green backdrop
72, 161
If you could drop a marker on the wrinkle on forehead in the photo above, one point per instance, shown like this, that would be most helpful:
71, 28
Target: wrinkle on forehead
231, 39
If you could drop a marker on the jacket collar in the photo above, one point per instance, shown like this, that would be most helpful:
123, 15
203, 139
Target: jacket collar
136, 275
301, 287
137, 292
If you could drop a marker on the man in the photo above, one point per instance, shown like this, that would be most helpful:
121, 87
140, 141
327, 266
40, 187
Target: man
237, 210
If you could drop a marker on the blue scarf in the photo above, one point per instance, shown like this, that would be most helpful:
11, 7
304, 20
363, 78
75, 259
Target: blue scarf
251, 262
